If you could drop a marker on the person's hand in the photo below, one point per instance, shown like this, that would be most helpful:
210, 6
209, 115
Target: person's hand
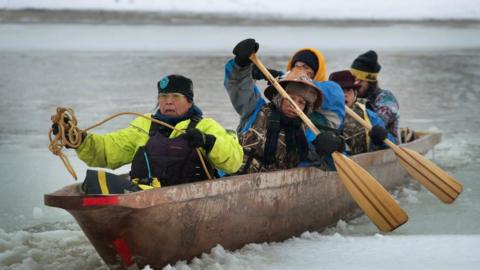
56, 129
328, 142
243, 50
66, 125
196, 139
258, 75
378, 134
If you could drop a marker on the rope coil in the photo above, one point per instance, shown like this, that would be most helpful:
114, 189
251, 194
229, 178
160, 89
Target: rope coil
70, 136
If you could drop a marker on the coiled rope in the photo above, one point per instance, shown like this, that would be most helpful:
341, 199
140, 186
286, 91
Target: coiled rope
69, 135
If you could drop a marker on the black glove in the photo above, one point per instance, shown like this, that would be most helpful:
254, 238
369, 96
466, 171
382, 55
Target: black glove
243, 50
56, 129
378, 134
328, 142
196, 139
258, 75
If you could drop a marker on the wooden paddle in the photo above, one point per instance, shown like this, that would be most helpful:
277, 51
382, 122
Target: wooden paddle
426, 172
375, 201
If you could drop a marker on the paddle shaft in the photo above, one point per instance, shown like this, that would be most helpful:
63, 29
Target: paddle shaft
283, 93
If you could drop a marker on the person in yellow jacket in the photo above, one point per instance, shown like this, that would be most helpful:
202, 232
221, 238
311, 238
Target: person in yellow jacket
159, 155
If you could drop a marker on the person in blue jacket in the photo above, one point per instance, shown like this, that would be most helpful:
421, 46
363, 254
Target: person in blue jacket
358, 138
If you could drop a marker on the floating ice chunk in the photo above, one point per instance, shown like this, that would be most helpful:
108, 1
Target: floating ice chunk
218, 251
338, 236
342, 225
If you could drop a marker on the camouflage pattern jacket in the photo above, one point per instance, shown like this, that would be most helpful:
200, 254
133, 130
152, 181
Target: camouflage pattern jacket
253, 142
356, 136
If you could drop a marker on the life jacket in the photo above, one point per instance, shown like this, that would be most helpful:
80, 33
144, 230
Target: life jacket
167, 161
253, 142
356, 136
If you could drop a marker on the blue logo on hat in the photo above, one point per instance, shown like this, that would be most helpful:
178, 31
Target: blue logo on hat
164, 82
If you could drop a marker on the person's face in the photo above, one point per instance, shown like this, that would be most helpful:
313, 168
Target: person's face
173, 104
350, 97
362, 91
303, 68
287, 109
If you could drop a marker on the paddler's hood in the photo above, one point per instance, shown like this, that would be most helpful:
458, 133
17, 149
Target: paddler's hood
321, 74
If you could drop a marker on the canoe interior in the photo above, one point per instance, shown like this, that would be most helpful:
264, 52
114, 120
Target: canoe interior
174, 223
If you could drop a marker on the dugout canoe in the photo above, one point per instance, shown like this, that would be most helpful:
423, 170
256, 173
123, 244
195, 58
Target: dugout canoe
161, 226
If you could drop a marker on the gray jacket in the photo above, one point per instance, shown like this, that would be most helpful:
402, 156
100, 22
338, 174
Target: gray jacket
245, 96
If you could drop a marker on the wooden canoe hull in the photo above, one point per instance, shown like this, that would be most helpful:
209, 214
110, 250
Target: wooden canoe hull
165, 225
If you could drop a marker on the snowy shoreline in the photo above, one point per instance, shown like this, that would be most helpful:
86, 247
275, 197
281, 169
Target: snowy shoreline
275, 9
64, 16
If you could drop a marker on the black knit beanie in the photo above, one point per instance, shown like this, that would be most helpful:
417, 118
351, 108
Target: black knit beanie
307, 57
366, 66
176, 84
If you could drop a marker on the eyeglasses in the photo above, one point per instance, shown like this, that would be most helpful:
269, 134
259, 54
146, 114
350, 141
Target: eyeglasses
306, 69
172, 96
300, 64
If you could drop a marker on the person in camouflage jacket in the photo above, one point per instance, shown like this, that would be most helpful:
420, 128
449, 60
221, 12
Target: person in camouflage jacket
359, 139
272, 135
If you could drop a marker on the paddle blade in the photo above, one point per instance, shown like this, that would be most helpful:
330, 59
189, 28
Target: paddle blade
432, 177
372, 198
